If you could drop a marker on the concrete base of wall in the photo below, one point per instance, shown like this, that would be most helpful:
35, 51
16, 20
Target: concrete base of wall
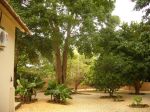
17, 105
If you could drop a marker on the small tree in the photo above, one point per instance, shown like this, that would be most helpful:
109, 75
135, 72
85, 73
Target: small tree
78, 68
106, 73
78, 81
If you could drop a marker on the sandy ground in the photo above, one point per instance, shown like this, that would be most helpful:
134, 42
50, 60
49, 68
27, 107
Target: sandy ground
86, 102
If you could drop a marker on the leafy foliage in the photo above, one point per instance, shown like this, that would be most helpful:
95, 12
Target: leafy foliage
78, 68
133, 46
137, 100
57, 26
59, 92
107, 73
44, 69
27, 87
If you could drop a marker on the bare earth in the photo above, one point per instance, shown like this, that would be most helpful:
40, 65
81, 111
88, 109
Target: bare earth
86, 102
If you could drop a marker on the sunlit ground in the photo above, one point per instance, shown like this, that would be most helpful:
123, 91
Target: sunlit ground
86, 102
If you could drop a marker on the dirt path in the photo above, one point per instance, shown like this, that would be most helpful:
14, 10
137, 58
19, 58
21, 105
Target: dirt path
86, 102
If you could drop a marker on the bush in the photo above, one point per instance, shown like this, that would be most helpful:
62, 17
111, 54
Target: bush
27, 87
137, 100
59, 92
137, 103
107, 73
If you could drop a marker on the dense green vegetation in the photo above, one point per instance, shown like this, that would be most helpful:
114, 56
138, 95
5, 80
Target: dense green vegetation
58, 25
78, 68
27, 86
130, 46
107, 73
59, 92
79, 42
134, 48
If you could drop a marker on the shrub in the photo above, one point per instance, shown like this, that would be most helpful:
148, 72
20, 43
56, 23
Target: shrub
59, 92
137, 103
137, 100
27, 87
107, 73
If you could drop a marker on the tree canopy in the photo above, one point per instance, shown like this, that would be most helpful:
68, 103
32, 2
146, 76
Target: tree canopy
131, 44
107, 73
62, 23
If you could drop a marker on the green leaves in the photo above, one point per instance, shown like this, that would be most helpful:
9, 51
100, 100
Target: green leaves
27, 86
59, 26
59, 92
135, 48
122, 54
107, 73
137, 100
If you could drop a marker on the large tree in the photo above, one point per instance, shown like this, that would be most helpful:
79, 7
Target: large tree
64, 22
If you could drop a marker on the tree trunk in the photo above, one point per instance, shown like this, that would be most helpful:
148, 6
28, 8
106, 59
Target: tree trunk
56, 47
111, 93
137, 87
64, 63
61, 63
105, 90
76, 86
58, 65
16, 76
65, 54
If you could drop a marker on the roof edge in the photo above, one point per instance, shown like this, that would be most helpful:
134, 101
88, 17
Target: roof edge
15, 16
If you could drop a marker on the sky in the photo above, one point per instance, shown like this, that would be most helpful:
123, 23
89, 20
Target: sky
125, 10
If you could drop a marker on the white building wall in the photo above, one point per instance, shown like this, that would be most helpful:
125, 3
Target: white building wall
7, 66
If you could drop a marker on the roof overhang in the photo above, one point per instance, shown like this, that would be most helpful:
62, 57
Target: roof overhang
15, 16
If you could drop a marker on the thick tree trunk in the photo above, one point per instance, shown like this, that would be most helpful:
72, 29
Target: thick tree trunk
137, 87
65, 54
61, 63
56, 46
64, 64
58, 65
